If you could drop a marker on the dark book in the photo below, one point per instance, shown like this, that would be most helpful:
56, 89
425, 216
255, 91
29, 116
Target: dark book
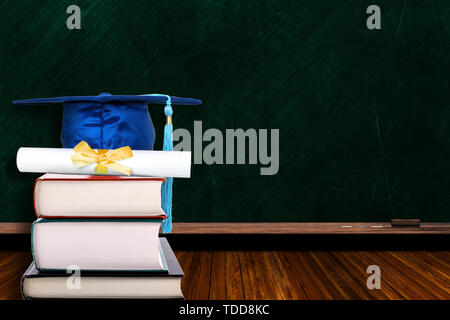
106, 285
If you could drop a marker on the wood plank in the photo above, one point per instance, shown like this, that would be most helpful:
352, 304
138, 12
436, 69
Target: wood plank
226, 278
351, 261
13, 265
438, 259
313, 280
291, 274
255, 276
396, 279
419, 276
391, 280
340, 277
274, 228
15, 228
281, 277
288, 275
439, 276
265, 278
196, 266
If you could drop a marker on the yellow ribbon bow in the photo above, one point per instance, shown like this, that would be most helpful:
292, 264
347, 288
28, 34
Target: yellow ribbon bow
105, 158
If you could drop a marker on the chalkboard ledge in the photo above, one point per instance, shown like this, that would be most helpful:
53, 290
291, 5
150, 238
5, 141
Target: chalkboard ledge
275, 228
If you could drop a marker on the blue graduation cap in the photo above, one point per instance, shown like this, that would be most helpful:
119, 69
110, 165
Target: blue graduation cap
112, 121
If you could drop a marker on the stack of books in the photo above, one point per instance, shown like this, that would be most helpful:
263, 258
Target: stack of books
97, 237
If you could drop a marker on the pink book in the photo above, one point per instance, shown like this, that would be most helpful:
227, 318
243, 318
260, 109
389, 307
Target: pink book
86, 196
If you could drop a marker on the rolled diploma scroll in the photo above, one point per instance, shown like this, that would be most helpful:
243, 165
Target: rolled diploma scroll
175, 164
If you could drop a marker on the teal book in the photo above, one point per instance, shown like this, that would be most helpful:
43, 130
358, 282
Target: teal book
97, 245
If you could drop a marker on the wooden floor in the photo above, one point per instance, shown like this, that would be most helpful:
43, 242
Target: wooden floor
288, 274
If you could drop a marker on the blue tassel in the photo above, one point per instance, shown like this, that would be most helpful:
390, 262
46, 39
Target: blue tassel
166, 191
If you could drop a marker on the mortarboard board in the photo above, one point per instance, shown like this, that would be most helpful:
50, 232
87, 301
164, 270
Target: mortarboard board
113, 121
110, 121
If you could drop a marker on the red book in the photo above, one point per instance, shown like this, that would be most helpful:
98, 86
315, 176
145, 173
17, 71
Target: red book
109, 197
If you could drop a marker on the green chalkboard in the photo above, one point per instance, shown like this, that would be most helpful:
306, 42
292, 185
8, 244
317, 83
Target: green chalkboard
364, 115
